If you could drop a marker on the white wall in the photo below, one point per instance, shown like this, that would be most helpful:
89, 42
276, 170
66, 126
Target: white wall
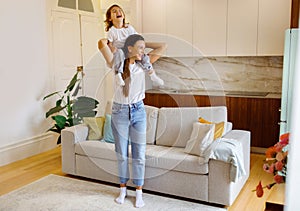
24, 74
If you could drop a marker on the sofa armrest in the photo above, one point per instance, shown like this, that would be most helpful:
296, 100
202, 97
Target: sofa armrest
221, 189
69, 137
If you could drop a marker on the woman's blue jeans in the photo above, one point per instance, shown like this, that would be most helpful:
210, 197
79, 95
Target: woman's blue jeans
129, 126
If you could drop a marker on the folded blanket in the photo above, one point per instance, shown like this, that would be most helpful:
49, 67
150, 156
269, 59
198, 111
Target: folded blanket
228, 150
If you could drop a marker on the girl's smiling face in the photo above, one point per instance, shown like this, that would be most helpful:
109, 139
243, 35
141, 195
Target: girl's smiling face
116, 15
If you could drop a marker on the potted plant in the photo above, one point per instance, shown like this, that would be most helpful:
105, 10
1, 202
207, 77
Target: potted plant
69, 109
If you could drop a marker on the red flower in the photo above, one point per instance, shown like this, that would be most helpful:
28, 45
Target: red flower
279, 166
259, 190
284, 139
271, 152
278, 179
268, 168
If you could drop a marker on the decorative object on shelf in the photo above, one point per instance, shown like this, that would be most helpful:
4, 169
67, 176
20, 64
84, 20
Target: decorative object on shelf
275, 163
69, 109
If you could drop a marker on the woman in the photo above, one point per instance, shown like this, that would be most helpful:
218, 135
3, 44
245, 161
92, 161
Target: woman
129, 116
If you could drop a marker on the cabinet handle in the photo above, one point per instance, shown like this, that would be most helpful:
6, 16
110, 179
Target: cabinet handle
281, 122
279, 109
79, 68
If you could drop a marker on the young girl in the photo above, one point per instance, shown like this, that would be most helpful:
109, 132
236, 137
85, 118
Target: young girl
118, 30
129, 117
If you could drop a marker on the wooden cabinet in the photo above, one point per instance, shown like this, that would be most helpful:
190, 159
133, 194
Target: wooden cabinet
258, 115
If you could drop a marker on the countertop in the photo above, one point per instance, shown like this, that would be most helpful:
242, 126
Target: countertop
217, 93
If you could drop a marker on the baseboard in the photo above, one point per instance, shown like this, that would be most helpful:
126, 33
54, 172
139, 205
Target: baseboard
28, 147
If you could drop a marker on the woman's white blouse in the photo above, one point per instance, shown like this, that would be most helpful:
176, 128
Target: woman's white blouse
136, 86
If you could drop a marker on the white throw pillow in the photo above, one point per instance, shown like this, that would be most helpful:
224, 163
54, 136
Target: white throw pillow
202, 136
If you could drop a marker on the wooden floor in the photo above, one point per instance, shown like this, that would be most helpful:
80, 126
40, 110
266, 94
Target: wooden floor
22, 172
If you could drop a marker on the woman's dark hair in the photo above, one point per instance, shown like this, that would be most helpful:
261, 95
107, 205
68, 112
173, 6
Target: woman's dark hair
130, 41
108, 22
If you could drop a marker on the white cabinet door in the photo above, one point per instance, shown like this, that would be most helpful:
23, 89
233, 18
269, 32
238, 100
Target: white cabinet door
242, 27
66, 47
179, 26
169, 21
209, 27
274, 19
154, 20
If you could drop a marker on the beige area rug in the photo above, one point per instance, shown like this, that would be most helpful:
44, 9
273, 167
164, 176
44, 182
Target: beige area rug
55, 192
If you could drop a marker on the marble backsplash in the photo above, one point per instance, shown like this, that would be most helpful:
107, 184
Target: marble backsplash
251, 74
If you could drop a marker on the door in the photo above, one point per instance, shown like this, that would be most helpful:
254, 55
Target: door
66, 47
75, 37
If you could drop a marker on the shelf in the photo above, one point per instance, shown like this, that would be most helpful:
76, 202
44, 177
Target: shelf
275, 201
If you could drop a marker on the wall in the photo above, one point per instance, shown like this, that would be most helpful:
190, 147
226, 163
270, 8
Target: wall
24, 76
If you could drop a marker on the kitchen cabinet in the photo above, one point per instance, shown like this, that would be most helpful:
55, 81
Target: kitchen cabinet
274, 18
209, 27
169, 21
218, 27
258, 115
179, 27
242, 27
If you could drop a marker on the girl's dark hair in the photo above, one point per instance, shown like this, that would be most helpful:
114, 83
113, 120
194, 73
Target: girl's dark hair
108, 22
130, 41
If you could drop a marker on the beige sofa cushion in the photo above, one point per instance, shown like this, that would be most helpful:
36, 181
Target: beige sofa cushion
152, 115
174, 158
174, 126
168, 158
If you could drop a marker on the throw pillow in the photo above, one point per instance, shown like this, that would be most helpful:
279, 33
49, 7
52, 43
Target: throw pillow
219, 127
95, 125
201, 137
107, 130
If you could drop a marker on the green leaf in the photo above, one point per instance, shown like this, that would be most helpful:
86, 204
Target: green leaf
58, 103
60, 121
54, 93
54, 110
72, 83
86, 103
87, 114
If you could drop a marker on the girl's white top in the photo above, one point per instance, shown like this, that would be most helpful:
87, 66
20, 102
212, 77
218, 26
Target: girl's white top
136, 86
118, 36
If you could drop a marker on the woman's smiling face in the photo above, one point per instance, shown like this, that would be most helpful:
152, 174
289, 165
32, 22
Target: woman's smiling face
137, 51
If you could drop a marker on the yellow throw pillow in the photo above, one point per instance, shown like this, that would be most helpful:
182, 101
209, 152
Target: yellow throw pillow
219, 127
95, 125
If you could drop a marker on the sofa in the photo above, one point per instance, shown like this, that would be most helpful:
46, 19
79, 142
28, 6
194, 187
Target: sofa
213, 176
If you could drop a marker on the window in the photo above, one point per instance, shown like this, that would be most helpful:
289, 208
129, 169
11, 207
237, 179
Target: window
84, 5
67, 3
